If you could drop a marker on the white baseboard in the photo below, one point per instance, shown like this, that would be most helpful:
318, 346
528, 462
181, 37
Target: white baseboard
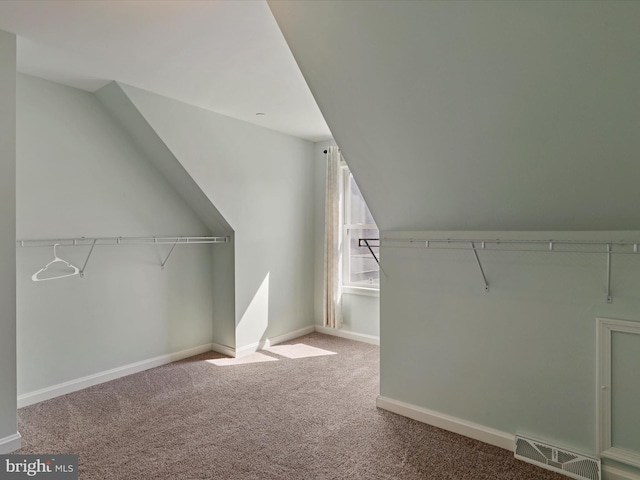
476, 431
291, 335
254, 347
223, 349
446, 422
101, 377
11, 443
613, 473
358, 337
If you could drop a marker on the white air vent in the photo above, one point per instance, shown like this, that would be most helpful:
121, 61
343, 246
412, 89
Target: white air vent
571, 464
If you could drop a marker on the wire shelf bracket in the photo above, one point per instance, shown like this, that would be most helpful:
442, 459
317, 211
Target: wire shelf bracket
364, 242
169, 254
84, 267
622, 247
484, 277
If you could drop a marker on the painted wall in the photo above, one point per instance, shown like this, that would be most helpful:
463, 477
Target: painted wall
361, 313
521, 358
499, 117
7, 235
80, 174
479, 115
119, 105
261, 182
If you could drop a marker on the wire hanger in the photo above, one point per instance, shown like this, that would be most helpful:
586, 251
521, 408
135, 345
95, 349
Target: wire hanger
56, 259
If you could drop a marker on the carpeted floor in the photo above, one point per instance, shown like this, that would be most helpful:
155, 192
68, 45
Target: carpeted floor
297, 417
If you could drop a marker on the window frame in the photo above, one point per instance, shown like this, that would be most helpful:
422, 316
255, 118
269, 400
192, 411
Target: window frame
347, 228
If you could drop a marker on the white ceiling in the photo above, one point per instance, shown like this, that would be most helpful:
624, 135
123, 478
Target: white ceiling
226, 56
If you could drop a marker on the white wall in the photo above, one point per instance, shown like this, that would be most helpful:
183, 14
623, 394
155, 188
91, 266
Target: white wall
479, 115
119, 105
493, 116
7, 238
79, 174
361, 313
261, 182
519, 359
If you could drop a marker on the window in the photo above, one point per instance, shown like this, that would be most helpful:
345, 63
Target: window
360, 267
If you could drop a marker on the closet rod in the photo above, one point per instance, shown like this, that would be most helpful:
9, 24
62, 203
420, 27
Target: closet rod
625, 247
629, 247
91, 241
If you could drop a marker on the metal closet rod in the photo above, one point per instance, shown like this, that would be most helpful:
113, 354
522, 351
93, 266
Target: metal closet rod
482, 244
93, 241
90, 241
476, 245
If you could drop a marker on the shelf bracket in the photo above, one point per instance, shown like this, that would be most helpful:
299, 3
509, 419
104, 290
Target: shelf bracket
609, 297
170, 252
366, 244
484, 277
84, 267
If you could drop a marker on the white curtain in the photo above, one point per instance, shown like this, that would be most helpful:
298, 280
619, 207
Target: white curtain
332, 228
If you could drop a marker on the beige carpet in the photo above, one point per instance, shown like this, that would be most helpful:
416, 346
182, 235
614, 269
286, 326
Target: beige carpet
300, 414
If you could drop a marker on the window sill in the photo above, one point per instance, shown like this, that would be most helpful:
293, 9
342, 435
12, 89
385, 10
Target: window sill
365, 291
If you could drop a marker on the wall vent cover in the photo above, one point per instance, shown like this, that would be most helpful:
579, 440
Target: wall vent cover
571, 464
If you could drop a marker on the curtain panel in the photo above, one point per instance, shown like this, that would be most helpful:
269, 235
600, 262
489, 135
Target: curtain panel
333, 248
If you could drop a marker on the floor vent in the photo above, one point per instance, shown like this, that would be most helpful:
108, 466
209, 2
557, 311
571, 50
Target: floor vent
571, 464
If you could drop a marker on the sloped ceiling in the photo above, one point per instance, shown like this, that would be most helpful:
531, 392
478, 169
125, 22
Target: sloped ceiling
480, 115
116, 101
224, 56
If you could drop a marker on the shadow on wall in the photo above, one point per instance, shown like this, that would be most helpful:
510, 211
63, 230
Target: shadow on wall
188, 300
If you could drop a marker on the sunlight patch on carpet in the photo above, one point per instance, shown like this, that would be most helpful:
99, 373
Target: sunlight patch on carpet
255, 357
299, 350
